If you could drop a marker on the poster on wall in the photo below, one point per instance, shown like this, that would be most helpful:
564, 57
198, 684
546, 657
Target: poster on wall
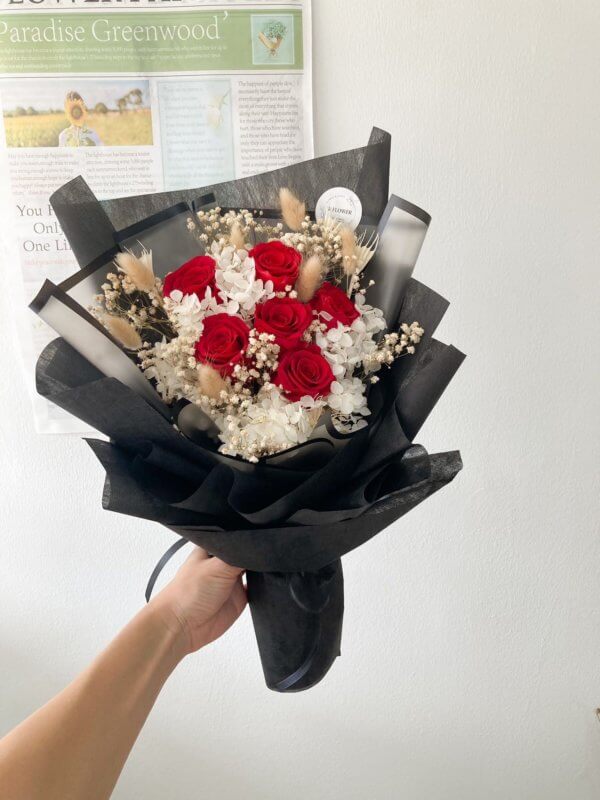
137, 96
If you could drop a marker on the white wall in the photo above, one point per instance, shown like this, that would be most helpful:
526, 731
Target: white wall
472, 636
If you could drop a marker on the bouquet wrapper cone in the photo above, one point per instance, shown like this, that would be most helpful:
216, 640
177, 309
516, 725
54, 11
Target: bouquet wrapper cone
297, 618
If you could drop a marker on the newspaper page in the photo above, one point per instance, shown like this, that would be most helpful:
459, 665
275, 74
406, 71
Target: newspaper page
137, 96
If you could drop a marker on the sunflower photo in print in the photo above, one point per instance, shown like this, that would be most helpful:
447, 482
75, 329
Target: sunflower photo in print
82, 113
77, 134
273, 39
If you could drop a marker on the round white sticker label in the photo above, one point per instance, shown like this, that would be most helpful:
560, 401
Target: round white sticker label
341, 204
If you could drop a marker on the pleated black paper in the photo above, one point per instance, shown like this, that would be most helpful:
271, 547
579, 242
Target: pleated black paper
290, 518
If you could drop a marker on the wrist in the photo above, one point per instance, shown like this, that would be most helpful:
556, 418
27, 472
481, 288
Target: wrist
169, 629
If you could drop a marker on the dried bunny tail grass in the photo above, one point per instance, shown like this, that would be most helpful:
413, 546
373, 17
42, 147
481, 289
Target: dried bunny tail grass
138, 270
210, 382
123, 331
349, 261
236, 237
309, 279
293, 210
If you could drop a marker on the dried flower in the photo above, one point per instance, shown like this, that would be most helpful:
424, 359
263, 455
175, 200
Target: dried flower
138, 270
365, 250
293, 210
210, 382
236, 237
123, 332
309, 279
349, 261
394, 345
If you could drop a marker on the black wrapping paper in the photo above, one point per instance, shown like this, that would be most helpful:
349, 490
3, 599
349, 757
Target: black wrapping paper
294, 614
401, 231
166, 234
289, 519
155, 473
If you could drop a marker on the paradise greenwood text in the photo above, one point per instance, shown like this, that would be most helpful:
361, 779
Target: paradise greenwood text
104, 30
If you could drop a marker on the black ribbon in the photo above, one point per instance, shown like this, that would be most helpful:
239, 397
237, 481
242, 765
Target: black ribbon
298, 674
161, 565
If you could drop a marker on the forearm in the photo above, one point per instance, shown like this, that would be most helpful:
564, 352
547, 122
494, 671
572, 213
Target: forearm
74, 748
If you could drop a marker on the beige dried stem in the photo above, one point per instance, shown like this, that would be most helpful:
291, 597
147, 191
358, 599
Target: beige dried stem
349, 261
309, 279
293, 210
123, 331
138, 270
210, 382
236, 237
365, 250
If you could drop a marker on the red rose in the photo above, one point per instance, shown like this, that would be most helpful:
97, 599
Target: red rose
193, 277
223, 342
336, 303
275, 261
303, 371
287, 319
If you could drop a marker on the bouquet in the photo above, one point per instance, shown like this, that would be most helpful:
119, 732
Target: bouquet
272, 35
261, 360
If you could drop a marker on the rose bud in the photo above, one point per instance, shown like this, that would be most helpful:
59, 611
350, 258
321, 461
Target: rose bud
275, 261
333, 301
194, 277
285, 318
223, 342
303, 371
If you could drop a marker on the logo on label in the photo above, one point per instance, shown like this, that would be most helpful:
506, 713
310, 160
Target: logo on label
341, 204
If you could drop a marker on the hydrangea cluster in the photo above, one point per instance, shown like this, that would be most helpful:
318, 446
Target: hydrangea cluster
265, 334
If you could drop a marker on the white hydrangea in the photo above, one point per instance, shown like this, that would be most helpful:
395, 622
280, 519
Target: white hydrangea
236, 281
337, 347
186, 312
346, 347
347, 397
374, 323
269, 425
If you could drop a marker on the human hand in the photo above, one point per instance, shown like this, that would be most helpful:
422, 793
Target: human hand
203, 600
